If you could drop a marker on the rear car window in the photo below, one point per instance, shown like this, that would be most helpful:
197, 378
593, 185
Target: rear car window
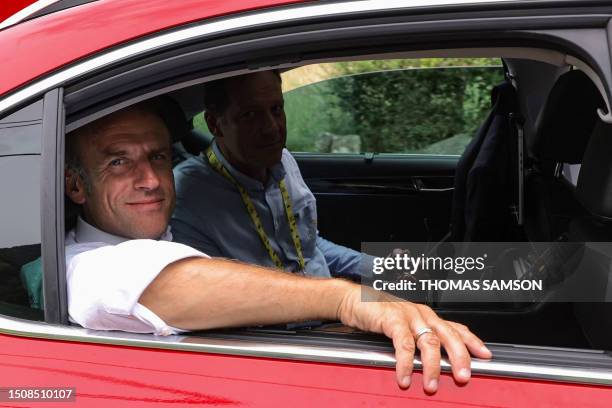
424, 106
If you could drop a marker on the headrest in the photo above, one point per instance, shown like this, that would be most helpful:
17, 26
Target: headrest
173, 116
567, 119
594, 188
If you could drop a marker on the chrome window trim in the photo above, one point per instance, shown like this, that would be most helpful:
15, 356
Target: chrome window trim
323, 354
295, 13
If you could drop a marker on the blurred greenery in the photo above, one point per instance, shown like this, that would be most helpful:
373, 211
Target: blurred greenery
393, 107
199, 123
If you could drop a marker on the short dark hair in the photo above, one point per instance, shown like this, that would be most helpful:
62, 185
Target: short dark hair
157, 106
215, 95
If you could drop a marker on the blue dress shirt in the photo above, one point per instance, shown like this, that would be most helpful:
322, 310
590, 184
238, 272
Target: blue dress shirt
211, 217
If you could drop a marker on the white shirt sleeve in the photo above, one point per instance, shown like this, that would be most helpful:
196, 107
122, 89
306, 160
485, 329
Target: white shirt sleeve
106, 281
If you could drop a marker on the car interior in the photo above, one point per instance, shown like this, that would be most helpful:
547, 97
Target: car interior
540, 130
507, 184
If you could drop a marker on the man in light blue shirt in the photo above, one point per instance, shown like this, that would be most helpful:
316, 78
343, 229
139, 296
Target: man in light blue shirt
247, 162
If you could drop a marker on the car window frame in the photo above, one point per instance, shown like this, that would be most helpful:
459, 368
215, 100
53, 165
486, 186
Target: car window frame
161, 89
52, 209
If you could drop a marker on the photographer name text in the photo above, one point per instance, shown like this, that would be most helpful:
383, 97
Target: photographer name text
462, 285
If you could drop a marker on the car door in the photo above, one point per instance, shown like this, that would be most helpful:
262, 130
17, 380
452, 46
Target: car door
246, 367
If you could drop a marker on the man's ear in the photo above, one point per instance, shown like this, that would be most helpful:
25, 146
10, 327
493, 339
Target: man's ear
75, 188
212, 121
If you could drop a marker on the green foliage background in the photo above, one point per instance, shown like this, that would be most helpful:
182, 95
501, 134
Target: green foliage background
404, 110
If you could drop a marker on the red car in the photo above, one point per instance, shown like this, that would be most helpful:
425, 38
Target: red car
75, 61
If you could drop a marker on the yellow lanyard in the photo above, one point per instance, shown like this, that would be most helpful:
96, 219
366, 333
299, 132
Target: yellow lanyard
250, 207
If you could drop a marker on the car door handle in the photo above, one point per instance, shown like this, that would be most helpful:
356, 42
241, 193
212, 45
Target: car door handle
433, 184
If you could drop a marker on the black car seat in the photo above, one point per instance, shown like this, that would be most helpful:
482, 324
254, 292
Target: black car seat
594, 192
563, 129
483, 188
186, 141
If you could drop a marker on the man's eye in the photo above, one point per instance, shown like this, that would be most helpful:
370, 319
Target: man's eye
117, 162
277, 109
248, 115
160, 156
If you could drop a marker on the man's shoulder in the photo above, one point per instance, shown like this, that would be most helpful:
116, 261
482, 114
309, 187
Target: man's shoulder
291, 167
192, 166
288, 160
152, 248
74, 249
192, 174
287, 155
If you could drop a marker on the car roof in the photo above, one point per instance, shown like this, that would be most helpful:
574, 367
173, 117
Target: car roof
35, 47
38, 46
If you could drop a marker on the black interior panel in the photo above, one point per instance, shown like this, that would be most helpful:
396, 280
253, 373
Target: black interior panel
368, 198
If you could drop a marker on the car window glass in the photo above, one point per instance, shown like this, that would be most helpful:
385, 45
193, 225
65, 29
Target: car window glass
425, 106
20, 237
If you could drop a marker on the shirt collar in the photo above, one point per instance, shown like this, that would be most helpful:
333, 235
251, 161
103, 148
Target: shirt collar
277, 172
85, 232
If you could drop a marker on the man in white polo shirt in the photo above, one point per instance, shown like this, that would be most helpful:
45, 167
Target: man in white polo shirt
125, 273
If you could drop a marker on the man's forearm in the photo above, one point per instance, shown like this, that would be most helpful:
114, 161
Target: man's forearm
199, 293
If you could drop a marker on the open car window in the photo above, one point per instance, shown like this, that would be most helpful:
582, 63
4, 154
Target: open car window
382, 112
407, 108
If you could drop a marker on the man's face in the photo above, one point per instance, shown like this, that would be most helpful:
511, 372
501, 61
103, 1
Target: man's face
129, 166
252, 130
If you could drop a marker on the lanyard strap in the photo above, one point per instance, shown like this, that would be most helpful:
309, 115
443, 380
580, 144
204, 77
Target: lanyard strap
250, 207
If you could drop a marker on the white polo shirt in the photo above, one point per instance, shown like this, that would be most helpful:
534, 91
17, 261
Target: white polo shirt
107, 274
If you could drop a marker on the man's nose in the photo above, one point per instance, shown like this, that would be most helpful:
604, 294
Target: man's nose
146, 176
